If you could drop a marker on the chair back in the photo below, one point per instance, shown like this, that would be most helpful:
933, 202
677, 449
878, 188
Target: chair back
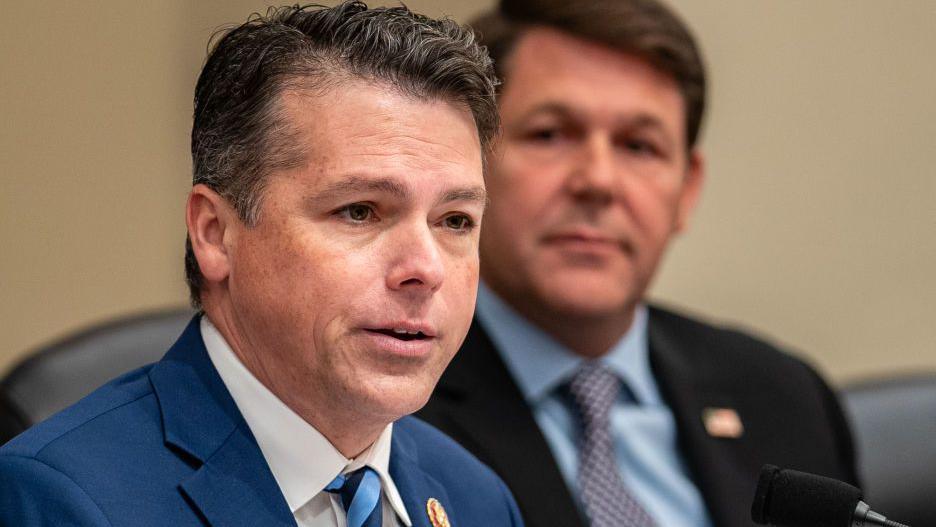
57, 375
894, 423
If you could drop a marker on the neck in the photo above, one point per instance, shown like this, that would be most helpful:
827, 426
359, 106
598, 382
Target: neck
590, 335
349, 435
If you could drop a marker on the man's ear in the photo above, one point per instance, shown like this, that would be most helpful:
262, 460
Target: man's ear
208, 217
691, 189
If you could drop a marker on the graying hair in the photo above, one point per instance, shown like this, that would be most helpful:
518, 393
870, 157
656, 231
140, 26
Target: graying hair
239, 135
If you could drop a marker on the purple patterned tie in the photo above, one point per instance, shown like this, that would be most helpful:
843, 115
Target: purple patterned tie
607, 501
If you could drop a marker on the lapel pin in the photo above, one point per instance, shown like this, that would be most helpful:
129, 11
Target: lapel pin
437, 513
722, 422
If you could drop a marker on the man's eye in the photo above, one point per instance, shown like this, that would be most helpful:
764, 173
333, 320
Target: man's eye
459, 222
641, 147
357, 212
545, 134
553, 135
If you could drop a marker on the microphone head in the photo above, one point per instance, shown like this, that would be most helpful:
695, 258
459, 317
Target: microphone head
789, 498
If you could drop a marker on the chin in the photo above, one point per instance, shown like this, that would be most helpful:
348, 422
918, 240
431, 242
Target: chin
583, 297
395, 397
589, 307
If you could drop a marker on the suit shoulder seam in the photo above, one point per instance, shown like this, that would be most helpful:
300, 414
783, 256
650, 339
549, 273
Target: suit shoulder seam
66, 476
86, 422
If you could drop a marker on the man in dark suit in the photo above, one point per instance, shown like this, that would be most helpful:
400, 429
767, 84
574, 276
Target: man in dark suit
333, 250
596, 408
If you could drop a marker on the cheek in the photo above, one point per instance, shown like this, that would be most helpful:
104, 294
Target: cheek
523, 179
654, 208
654, 214
521, 202
299, 280
463, 277
461, 289
251, 278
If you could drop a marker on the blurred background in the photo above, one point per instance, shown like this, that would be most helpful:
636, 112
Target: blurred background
817, 227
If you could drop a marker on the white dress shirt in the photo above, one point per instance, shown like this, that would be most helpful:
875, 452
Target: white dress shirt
302, 460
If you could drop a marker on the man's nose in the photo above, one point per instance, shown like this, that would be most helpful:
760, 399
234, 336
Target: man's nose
416, 261
592, 178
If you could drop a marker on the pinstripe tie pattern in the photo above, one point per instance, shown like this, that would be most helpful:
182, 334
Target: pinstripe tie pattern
607, 501
360, 496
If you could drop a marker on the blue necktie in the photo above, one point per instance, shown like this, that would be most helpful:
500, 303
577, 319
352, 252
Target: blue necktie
607, 500
360, 496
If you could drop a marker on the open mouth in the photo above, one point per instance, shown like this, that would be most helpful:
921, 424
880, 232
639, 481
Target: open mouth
401, 334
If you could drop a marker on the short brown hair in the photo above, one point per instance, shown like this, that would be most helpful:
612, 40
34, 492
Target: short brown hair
645, 28
237, 133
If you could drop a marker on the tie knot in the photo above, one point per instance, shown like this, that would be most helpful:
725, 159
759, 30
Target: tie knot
594, 388
360, 496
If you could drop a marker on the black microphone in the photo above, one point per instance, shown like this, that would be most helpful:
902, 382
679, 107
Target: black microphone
789, 498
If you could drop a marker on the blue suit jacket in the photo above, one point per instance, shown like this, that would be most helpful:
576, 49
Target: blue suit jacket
166, 445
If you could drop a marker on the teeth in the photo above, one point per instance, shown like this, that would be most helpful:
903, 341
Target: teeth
404, 332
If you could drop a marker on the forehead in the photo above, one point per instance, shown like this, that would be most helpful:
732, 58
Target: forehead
548, 65
369, 127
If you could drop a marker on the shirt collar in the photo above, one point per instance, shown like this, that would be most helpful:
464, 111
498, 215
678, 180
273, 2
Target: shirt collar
540, 364
302, 460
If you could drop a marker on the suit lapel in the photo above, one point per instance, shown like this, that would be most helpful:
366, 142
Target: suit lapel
416, 487
234, 487
231, 484
490, 417
688, 386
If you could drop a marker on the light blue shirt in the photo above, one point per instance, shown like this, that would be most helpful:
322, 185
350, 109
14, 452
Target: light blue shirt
642, 426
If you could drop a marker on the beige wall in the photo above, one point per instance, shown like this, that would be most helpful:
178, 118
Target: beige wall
817, 225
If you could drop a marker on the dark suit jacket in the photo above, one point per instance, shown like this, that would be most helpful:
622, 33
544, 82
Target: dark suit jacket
791, 418
166, 445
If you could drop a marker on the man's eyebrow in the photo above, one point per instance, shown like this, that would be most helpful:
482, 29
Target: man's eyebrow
644, 120
640, 120
358, 184
475, 194
554, 108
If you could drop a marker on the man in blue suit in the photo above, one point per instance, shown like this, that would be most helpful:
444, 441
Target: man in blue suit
333, 252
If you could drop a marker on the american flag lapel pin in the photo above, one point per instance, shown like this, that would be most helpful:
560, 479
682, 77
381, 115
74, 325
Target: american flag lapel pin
723, 423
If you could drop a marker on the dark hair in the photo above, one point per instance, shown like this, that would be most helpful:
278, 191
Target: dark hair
238, 136
645, 28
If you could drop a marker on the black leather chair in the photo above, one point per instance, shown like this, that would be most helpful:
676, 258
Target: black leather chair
57, 375
894, 421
